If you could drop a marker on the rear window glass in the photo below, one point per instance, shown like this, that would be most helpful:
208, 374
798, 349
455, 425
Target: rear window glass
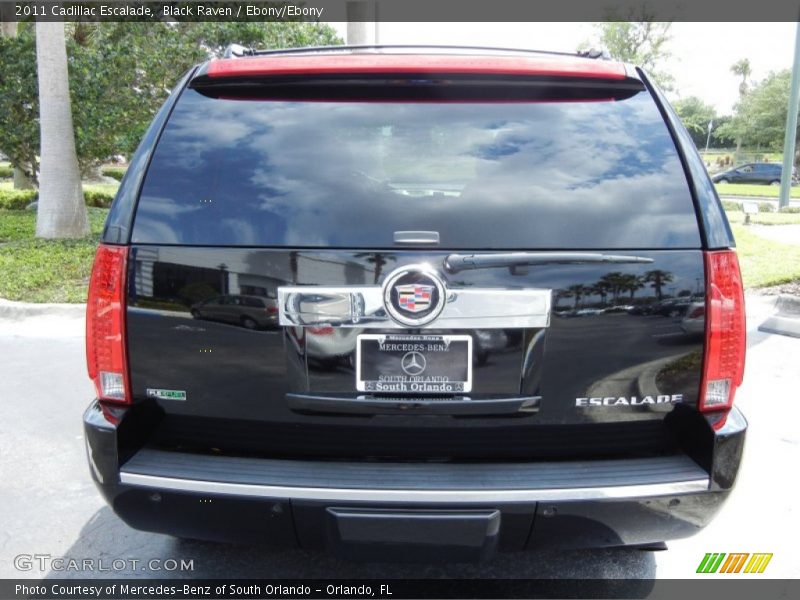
593, 174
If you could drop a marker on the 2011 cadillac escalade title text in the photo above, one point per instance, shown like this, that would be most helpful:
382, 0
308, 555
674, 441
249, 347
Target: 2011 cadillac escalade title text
81, 11
186, 11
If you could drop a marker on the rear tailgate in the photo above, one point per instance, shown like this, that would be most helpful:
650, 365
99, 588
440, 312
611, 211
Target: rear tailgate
265, 190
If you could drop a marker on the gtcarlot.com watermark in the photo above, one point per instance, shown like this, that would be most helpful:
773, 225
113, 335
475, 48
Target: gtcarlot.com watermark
48, 562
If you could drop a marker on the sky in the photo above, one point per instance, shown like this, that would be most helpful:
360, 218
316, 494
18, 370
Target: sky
702, 52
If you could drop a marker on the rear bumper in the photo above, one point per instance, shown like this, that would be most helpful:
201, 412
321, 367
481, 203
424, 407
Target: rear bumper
469, 510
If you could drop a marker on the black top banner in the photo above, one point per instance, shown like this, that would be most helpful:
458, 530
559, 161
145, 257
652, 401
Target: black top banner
408, 10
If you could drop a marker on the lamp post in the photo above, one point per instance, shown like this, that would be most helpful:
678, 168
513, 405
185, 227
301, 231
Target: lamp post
791, 126
708, 137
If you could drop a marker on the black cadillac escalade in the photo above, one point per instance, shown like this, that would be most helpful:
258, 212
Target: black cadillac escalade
462, 257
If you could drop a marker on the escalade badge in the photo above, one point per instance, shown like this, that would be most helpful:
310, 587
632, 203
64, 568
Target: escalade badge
414, 295
629, 401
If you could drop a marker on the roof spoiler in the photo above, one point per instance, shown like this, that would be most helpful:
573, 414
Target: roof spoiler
423, 73
239, 51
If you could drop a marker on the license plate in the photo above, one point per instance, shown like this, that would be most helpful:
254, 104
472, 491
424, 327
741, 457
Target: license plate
414, 364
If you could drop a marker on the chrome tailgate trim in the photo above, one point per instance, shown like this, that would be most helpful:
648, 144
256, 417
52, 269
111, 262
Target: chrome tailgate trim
363, 307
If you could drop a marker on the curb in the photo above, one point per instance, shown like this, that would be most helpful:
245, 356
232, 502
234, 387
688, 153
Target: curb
646, 382
781, 326
786, 320
788, 305
638, 379
17, 311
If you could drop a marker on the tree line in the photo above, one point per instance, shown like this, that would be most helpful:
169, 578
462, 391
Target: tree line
618, 286
118, 76
758, 119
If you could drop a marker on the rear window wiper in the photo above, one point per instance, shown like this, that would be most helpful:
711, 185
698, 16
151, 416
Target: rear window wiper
466, 262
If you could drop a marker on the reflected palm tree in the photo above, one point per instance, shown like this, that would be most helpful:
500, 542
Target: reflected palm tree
613, 282
631, 283
576, 291
600, 289
657, 279
378, 259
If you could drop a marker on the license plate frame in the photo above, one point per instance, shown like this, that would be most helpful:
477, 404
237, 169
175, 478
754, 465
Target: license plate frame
445, 377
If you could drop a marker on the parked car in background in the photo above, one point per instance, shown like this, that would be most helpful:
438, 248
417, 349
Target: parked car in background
695, 319
619, 308
766, 173
252, 312
672, 307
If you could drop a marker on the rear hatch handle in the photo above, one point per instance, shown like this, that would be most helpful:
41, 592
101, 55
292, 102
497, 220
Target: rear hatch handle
455, 263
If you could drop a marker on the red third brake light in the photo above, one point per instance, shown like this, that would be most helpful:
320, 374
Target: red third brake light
362, 64
105, 325
723, 364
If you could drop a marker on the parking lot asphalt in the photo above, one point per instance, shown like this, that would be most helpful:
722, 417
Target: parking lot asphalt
50, 507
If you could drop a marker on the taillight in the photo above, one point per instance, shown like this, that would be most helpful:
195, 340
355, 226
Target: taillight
272, 310
723, 364
105, 325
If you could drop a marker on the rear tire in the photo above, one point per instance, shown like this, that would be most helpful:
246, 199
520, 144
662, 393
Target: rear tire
774, 182
249, 323
723, 180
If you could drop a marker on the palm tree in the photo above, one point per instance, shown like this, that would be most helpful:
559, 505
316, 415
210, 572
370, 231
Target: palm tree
62, 211
613, 282
8, 28
631, 283
577, 291
560, 295
378, 259
742, 69
600, 289
657, 278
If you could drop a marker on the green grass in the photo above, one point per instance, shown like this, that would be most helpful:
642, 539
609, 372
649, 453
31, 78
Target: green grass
747, 155
765, 262
751, 189
35, 270
764, 218
109, 188
15, 225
